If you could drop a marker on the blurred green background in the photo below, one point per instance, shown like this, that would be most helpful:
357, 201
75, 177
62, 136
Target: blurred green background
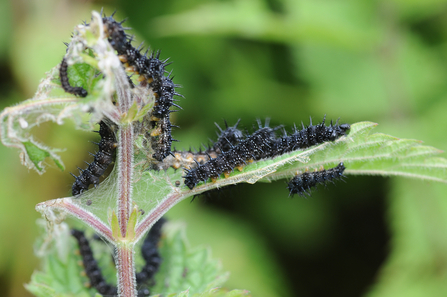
377, 60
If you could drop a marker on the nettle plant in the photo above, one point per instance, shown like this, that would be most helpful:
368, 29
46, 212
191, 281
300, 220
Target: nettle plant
105, 79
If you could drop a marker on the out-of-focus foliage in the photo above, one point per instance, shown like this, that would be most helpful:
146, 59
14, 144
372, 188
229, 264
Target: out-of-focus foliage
185, 271
369, 60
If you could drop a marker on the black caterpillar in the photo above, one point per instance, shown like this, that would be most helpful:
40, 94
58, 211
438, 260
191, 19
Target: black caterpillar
149, 251
151, 71
227, 138
164, 93
102, 159
91, 267
63, 73
309, 136
264, 144
150, 67
255, 147
161, 138
302, 183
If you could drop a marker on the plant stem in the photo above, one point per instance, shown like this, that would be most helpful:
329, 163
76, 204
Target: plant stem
125, 261
156, 214
67, 205
126, 271
125, 163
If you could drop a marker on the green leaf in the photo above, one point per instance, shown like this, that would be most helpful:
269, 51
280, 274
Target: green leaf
371, 154
254, 20
130, 233
184, 268
38, 285
83, 75
115, 225
38, 155
361, 152
62, 273
215, 292
51, 103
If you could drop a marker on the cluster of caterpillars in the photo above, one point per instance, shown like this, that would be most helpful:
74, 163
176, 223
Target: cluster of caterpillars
232, 150
149, 252
151, 74
262, 144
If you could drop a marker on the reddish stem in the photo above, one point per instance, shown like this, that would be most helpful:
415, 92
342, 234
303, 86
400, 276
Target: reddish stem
126, 271
124, 255
156, 214
125, 161
66, 204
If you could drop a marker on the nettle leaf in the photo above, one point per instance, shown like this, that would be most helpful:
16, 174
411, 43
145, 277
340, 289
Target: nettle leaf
37, 155
371, 154
86, 76
361, 152
39, 285
185, 269
182, 268
134, 184
61, 274
51, 104
216, 292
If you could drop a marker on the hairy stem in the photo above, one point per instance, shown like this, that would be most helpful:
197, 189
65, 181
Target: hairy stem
125, 163
68, 205
156, 214
126, 271
125, 261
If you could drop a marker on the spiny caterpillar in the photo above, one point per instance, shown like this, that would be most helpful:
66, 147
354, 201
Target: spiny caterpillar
254, 147
189, 159
102, 160
91, 267
227, 138
302, 183
151, 72
309, 136
263, 144
161, 138
149, 251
